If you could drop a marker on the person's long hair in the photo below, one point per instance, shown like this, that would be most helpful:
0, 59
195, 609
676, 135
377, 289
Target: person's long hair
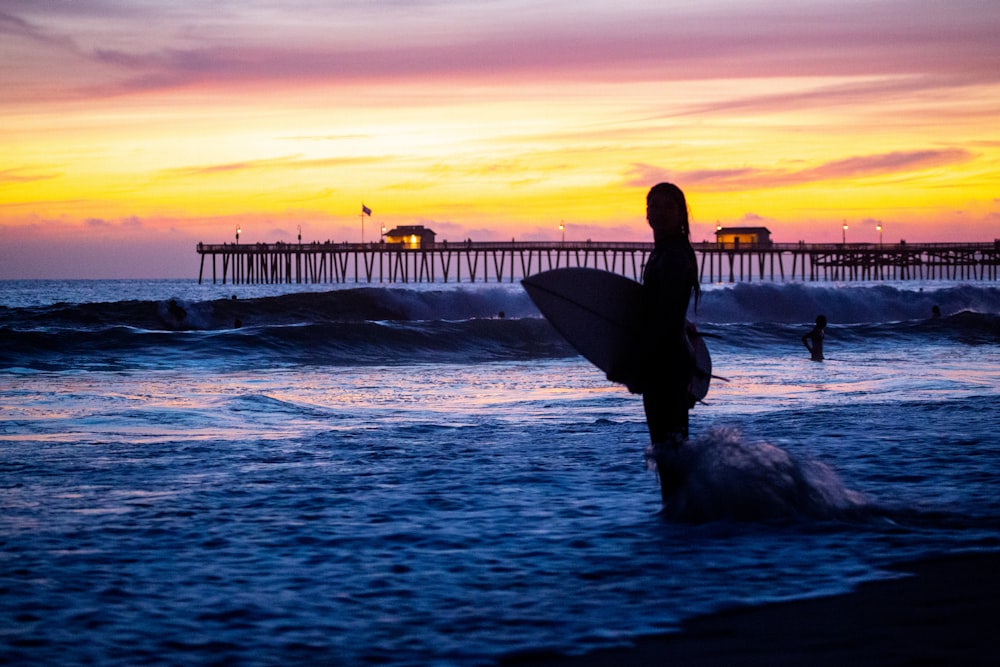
671, 191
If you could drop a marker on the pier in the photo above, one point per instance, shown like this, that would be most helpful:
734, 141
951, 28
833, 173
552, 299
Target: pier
366, 263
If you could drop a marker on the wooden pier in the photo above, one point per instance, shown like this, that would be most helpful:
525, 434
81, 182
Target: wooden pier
269, 263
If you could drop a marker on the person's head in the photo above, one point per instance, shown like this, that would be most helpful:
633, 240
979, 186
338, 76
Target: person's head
666, 210
821, 321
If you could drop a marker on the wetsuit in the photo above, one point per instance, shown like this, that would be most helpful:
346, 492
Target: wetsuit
668, 360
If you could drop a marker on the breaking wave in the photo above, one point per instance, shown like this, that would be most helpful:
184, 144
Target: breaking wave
373, 325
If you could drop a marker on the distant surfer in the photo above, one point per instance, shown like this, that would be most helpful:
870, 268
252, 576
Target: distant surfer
814, 339
668, 282
176, 311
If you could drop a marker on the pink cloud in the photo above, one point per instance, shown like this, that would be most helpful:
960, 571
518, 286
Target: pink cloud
131, 223
887, 163
750, 178
16, 27
869, 92
654, 41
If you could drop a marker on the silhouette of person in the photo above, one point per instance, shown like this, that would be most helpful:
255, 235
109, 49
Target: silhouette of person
814, 339
176, 311
669, 280
936, 312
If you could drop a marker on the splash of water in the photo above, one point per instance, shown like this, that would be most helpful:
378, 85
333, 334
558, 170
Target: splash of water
722, 476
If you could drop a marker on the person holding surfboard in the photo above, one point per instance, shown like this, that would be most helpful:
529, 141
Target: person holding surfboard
638, 333
669, 281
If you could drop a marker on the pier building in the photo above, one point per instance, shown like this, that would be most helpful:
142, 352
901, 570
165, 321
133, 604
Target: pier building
733, 237
412, 236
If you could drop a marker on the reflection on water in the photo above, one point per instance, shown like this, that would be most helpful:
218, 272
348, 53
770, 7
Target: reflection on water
446, 513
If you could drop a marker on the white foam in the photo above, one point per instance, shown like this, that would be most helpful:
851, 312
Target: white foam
722, 476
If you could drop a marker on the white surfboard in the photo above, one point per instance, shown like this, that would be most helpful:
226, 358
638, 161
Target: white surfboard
600, 313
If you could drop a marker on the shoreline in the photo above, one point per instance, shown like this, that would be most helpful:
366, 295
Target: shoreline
944, 613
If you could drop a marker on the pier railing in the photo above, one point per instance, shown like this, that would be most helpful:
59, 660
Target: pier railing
329, 262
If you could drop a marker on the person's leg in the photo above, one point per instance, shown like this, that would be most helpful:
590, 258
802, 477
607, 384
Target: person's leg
667, 420
666, 414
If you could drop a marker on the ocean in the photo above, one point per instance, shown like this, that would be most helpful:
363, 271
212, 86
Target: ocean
430, 475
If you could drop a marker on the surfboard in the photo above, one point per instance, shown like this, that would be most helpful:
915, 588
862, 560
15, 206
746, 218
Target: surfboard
600, 314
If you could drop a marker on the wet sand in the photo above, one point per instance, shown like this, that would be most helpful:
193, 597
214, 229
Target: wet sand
946, 613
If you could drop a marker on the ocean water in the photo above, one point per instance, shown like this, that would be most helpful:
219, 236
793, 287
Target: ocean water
399, 475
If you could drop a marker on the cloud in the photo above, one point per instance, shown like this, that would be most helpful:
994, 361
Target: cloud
252, 44
868, 91
753, 218
130, 223
887, 163
331, 137
271, 164
14, 27
754, 178
18, 176
644, 175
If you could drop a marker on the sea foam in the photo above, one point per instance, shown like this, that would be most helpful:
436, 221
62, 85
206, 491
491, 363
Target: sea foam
723, 476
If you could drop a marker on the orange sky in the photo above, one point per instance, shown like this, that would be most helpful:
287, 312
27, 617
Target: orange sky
131, 131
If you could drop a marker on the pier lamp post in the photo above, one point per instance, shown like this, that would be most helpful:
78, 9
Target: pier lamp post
845, 233
879, 228
300, 234
238, 230
562, 228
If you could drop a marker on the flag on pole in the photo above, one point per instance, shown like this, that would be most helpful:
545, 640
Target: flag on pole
367, 211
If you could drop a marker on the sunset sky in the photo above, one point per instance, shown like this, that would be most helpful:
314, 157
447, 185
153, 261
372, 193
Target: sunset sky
129, 130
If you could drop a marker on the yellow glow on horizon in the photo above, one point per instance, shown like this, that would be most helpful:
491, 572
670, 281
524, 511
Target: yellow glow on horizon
503, 159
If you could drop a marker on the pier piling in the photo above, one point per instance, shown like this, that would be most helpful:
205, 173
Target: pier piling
270, 263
